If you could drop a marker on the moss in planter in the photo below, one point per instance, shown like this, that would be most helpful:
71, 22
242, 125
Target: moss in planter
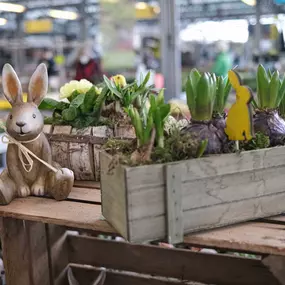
177, 147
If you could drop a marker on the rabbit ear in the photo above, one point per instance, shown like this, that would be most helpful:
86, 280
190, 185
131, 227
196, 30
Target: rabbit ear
38, 86
71, 278
234, 79
11, 85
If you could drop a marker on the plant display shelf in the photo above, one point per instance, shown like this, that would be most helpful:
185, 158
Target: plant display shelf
39, 245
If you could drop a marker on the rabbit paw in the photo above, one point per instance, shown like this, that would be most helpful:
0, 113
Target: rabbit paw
24, 191
38, 189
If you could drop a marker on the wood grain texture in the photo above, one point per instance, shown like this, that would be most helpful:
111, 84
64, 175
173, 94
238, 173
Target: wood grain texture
48, 129
86, 275
85, 195
87, 184
25, 252
81, 157
15, 252
103, 132
57, 250
38, 253
114, 201
180, 264
216, 191
262, 238
65, 213
126, 132
175, 226
60, 150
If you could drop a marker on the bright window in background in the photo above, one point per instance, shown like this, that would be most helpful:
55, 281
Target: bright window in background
210, 31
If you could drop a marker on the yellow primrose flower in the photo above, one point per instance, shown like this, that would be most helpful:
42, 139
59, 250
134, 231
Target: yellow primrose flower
84, 86
119, 80
67, 89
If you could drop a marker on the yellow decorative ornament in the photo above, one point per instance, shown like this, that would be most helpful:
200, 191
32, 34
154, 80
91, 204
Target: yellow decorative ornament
239, 125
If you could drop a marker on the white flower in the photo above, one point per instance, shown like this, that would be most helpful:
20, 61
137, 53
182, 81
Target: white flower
67, 89
81, 86
172, 124
84, 86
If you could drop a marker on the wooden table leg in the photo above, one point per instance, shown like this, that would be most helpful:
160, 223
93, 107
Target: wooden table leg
25, 252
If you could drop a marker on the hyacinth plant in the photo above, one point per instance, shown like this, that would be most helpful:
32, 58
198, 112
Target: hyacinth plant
206, 93
149, 126
270, 95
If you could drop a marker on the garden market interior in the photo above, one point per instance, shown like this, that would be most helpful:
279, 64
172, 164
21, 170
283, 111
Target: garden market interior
131, 37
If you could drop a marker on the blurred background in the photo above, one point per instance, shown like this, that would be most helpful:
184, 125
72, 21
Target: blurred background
88, 38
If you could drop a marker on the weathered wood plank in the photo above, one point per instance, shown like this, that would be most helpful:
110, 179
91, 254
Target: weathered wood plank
38, 253
114, 200
85, 194
15, 252
175, 226
60, 150
124, 132
262, 238
87, 184
100, 132
25, 252
86, 275
217, 165
81, 157
57, 250
65, 213
180, 264
48, 129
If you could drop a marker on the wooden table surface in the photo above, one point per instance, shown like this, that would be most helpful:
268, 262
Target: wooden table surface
83, 210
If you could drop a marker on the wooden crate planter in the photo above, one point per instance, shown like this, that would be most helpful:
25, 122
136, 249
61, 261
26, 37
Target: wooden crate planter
166, 200
78, 149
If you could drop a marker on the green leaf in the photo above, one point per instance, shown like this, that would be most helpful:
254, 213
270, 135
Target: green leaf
164, 111
195, 77
190, 95
204, 105
274, 90
262, 87
112, 87
202, 148
99, 102
78, 101
160, 97
48, 104
69, 114
146, 79
74, 94
89, 100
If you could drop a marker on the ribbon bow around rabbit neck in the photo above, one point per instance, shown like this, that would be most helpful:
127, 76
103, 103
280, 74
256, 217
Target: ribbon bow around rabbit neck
23, 151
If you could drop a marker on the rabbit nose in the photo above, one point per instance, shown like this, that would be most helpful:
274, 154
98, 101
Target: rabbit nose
20, 124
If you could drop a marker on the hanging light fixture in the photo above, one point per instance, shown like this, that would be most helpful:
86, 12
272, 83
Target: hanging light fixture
3, 21
61, 14
249, 2
10, 7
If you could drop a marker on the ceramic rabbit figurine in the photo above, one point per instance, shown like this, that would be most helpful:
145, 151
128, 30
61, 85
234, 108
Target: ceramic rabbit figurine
239, 123
100, 280
25, 125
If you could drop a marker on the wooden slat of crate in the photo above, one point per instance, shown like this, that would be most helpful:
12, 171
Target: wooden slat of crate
266, 238
65, 213
85, 194
180, 264
86, 275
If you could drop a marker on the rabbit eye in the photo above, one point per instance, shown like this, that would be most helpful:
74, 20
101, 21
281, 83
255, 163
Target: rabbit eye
11, 117
34, 116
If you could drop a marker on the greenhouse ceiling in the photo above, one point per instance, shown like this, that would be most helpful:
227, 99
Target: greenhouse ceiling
190, 9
